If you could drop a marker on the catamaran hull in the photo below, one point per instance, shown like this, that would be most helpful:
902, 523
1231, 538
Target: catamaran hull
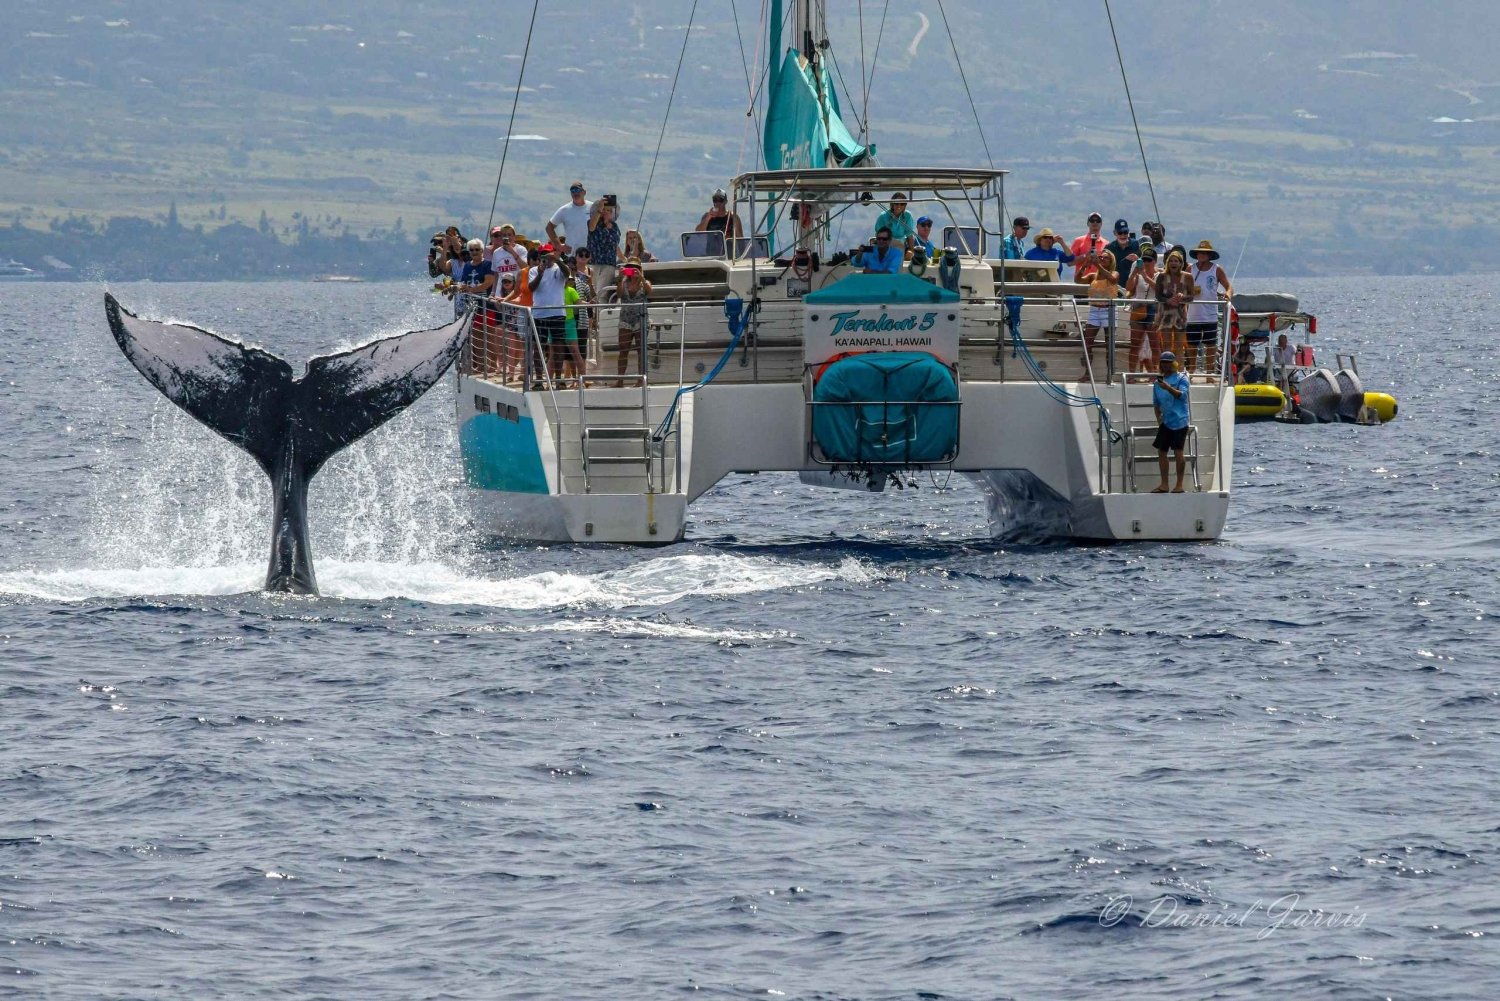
1039, 463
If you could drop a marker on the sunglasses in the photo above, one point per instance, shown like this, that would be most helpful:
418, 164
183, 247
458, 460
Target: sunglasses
882, 239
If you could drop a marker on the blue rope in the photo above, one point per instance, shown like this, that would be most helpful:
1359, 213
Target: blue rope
733, 312
1057, 392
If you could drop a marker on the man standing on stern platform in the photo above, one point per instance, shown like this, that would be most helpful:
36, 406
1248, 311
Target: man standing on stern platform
1170, 397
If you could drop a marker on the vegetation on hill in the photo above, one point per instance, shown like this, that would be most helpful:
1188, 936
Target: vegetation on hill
1349, 136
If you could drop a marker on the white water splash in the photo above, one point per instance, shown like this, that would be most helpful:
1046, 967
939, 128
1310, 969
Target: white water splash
655, 582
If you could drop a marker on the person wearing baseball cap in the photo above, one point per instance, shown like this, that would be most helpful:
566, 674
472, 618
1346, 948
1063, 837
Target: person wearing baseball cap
1086, 248
1169, 396
1126, 248
1015, 244
923, 240
573, 217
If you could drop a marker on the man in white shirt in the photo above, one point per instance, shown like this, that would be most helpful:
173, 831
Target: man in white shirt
547, 287
505, 255
573, 217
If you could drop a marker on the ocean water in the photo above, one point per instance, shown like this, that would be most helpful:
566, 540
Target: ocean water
832, 746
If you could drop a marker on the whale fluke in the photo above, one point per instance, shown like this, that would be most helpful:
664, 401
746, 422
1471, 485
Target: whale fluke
290, 426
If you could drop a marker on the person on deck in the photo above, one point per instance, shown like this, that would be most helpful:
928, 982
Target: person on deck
1104, 288
1015, 244
1174, 290
636, 247
472, 281
881, 259
1203, 315
547, 281
1049, 248
923, 240
1085, 249
1126, 248
1159, 241
505, 255
718, 219
573, 217
603, 242
1169, 396
902, 226
1141, 291
633, 294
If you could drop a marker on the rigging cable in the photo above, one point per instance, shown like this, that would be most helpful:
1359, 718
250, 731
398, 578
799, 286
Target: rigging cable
863, 72
837, 71
749, 87
1130, 101
875, 59
505, 150
965, 78
646, 195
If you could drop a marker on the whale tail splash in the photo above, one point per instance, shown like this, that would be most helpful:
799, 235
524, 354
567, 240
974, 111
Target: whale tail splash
290, 426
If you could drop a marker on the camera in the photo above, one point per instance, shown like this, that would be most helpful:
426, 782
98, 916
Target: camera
610, 200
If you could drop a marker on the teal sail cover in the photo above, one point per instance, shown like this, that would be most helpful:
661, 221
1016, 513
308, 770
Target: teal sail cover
802, 131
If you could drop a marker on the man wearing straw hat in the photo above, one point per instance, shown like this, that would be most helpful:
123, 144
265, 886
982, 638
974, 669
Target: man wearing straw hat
1048, 247
1202, 330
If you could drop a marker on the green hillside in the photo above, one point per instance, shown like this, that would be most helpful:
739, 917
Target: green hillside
1327, 139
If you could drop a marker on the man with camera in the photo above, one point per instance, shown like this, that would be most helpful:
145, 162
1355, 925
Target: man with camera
603, 242
548, 285
882, 258
1169, 395
573, 217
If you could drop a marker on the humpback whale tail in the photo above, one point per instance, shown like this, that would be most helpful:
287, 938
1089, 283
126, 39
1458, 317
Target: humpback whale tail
289, 425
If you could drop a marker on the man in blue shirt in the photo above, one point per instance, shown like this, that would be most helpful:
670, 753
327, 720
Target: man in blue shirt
882, 259
1015, 244
924, 237
1170, 397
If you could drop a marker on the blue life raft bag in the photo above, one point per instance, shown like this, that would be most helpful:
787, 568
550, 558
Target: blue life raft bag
886, 408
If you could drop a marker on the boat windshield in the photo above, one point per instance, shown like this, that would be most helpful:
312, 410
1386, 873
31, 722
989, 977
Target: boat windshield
818, 209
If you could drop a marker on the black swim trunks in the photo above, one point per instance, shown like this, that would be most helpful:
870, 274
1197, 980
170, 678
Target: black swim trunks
1202, 333
551, 329
1170, 439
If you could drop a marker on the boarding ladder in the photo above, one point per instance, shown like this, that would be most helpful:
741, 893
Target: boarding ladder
615, 434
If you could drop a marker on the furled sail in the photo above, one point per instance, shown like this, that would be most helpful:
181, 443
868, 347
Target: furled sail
803, 127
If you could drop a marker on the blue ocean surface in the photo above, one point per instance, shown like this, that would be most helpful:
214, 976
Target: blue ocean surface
832, 746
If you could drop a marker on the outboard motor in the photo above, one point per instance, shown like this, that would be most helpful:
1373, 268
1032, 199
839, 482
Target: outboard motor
1318, 397
1351, 395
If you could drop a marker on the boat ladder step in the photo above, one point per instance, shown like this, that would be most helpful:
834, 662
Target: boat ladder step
616, 445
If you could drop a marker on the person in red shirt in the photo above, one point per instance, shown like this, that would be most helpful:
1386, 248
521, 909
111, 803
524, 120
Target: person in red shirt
1086, 248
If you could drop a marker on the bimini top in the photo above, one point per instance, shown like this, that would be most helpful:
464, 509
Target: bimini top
870, 290
974, 181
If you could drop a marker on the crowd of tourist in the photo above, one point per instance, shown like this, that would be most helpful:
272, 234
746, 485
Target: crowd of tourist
585, 260
1173, 305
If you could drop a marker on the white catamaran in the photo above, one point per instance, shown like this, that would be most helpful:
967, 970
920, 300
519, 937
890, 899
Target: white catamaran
772, 351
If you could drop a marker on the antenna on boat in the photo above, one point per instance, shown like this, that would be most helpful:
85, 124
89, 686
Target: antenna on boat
1131, 102
505, 150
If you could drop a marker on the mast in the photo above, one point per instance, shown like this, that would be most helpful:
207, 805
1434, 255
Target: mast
811, 23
